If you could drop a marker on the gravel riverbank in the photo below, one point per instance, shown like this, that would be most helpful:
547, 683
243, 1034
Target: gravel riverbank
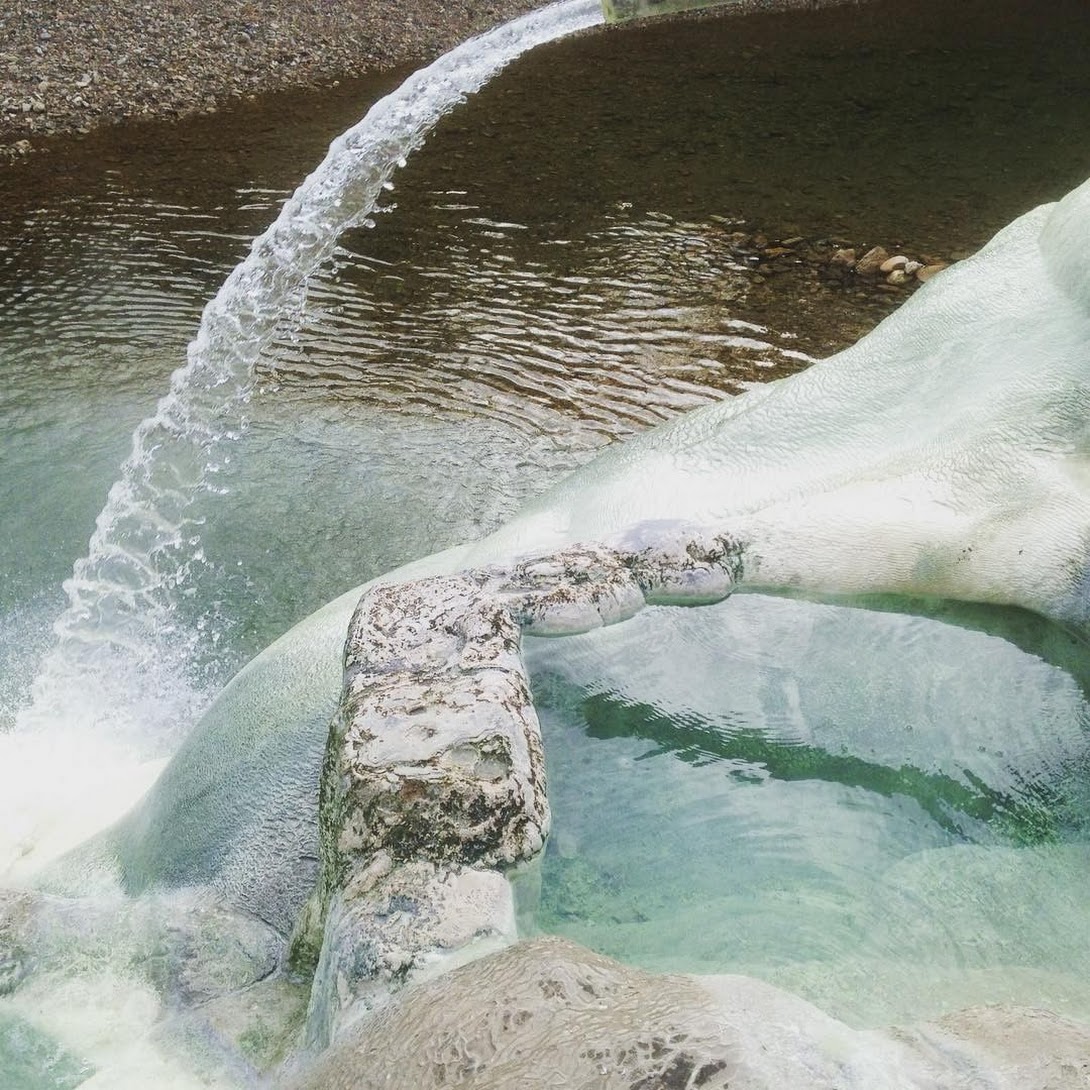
72, 65
69, 66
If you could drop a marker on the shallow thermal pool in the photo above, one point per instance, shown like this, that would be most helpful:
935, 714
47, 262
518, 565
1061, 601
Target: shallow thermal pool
885, 813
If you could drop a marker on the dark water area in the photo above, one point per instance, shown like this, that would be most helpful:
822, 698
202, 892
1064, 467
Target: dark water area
930, 124
923, 127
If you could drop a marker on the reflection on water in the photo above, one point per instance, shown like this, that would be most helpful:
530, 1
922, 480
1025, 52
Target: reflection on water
446, 312
439, 346
853, 804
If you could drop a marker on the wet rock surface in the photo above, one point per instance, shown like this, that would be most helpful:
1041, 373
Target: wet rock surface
548, 1013
436, 751
434, 775
188, 947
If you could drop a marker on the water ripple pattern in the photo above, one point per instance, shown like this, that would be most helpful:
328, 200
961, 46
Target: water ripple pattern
885, 813
121, 593
112, 270
589, 337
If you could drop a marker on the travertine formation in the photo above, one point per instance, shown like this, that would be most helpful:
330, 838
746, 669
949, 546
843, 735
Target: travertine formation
547, 1014
434, 778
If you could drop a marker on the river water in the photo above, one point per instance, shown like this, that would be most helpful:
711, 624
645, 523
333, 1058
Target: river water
557, 268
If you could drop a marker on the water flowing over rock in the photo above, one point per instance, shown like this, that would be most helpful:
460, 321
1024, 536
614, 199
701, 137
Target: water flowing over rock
119, 623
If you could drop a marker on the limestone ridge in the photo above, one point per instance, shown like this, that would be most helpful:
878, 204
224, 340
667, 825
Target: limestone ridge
547, 1013
434, 780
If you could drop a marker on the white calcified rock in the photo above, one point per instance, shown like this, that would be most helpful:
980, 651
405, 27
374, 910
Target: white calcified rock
548, 1013
435, 768
946, 454
392, 925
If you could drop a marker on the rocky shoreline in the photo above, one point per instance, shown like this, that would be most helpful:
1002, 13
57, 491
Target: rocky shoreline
73, 66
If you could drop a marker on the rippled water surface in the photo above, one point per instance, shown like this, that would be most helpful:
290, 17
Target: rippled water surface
827, 796
885, 813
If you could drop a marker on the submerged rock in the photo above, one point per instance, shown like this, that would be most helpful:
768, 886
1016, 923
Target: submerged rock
549, 1013
870, 264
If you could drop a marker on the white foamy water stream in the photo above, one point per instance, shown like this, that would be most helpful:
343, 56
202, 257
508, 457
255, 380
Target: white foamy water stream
112, 695
119, 630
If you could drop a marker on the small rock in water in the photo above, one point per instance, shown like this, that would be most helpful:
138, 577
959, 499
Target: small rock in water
871, 263
897, 277
845, 258
898, 261
913, 267
928, 271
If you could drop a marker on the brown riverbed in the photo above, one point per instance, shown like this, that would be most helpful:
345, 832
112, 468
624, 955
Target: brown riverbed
783, 137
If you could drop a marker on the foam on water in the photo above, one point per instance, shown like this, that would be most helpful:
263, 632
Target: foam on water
115, 692
122, 594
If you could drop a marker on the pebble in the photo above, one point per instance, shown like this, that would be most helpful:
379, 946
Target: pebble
870, 264
928, 271
829, 260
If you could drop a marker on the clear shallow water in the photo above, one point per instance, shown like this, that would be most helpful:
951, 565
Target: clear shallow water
552, 271
438, 346
885, 813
